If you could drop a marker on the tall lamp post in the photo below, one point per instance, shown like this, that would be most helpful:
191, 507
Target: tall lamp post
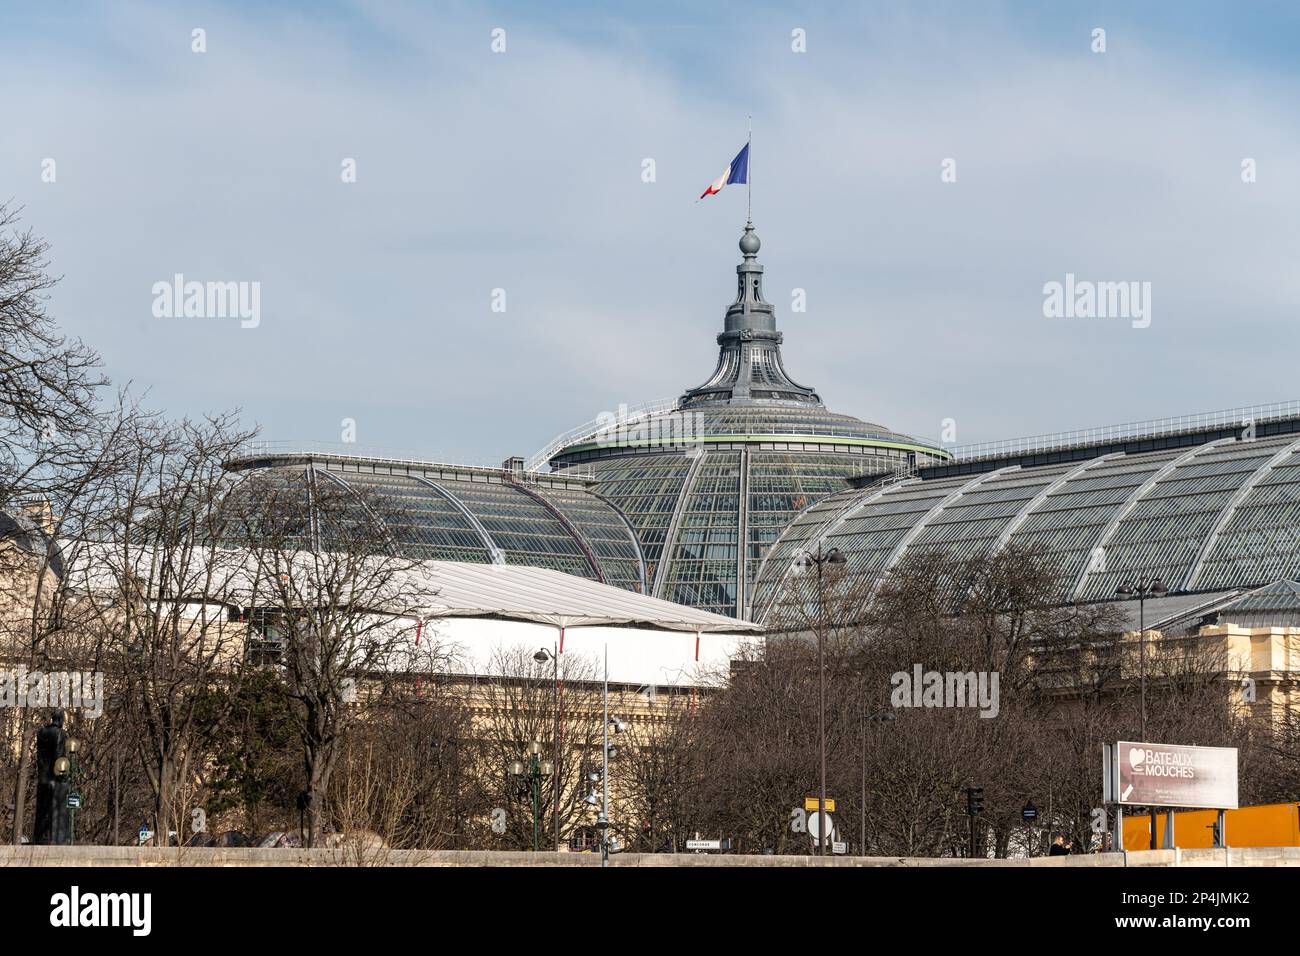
530, 775
542, 656
1145, 588
601, 776
880, 717
833, 557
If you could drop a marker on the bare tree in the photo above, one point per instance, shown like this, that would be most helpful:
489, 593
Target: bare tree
659, 774
48, 426
165, 592
402, 781
48, 384
344, 606
522, 702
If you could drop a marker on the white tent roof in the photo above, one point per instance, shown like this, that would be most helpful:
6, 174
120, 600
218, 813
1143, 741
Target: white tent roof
429, 589
522, 593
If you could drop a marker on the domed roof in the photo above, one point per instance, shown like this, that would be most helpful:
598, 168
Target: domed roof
708, 480
749, 397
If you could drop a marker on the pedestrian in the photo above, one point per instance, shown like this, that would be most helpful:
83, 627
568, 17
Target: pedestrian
1058, 847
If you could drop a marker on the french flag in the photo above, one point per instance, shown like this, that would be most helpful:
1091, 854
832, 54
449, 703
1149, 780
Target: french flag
737, 172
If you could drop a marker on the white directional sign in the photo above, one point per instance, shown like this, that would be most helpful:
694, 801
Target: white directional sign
704, 844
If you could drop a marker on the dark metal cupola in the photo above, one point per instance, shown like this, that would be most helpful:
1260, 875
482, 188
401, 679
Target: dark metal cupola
749, 363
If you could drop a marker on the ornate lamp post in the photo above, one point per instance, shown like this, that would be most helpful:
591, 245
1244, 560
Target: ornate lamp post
530, 776
74, 795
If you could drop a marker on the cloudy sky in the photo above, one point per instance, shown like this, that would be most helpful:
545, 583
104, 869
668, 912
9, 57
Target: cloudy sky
522, 171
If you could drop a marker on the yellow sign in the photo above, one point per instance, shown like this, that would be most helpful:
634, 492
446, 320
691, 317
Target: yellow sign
810, 804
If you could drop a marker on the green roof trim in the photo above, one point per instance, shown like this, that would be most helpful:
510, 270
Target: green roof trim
797, 439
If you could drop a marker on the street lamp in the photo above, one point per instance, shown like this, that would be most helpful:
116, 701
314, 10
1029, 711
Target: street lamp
542, 656
73, 746
879, 717
835, 558
1144, 589
530, 775
619, 726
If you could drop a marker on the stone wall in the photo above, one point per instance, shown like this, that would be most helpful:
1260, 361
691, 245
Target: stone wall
11, 856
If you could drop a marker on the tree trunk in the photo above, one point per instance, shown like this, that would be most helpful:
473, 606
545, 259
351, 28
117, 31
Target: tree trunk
318, 759
20, 785
162, 803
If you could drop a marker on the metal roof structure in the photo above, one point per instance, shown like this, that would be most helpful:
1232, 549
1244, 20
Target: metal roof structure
23, 533
706, 500
462, 513
1274, 605
1203, 517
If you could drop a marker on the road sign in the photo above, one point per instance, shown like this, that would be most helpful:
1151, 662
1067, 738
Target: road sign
704, 844
839, 847
1030, 813
810, 804
814, 826
74, 801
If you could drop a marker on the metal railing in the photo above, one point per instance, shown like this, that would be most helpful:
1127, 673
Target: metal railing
628, 415
1224, 418
390, 456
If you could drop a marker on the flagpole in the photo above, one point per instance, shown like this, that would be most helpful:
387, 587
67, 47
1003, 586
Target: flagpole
749, 175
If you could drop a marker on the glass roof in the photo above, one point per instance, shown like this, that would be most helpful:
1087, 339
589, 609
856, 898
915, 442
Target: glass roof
706, 518
469, 518
1210, 517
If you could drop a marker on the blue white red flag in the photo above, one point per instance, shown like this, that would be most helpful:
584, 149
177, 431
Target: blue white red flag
737, 172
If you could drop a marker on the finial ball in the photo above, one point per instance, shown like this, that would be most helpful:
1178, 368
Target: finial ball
749, 243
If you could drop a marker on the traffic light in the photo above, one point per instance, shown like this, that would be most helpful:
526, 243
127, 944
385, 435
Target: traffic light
974, 800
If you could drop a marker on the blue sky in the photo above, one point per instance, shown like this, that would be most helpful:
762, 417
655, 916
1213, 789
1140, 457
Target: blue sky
522, 171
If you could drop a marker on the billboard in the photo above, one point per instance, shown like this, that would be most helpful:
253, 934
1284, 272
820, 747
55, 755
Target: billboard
1171, 775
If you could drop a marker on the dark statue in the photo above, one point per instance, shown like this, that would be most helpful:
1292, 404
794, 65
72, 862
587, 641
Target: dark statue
53, 819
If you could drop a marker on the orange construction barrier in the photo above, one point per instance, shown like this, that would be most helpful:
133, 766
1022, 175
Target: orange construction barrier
1269, 824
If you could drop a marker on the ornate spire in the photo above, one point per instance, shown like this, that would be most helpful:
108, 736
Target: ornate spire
749, 364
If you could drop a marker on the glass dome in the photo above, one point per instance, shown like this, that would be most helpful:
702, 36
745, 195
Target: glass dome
710, 480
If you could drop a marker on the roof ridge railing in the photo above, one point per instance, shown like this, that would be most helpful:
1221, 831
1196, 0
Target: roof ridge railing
1242, 417
262, 448
626, 415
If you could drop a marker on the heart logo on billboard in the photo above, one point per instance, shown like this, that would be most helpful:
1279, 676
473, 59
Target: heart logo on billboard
1136, 756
